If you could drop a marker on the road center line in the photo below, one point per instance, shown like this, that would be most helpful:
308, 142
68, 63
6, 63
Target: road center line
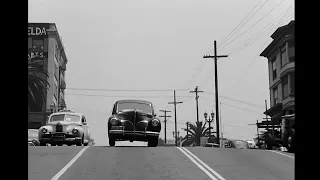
204, 164
282, 154
199, 165
65, 168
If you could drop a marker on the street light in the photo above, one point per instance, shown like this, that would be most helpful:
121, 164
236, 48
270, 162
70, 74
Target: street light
209, 120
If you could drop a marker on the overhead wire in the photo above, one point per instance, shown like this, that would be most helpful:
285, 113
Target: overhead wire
233, 31
252, 25
263, 31
124, 90
248, 66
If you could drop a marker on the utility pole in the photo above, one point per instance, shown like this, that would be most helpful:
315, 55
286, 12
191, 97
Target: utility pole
257, 130
187, 129
175, 114
165, 124
216, 84
197, 97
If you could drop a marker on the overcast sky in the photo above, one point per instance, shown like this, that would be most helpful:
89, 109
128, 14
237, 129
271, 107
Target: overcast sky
159, 45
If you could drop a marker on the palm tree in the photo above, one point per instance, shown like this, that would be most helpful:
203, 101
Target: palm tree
37, 81
195, 131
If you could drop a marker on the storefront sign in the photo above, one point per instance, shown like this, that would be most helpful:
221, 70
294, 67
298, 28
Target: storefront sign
38, 29
41, 55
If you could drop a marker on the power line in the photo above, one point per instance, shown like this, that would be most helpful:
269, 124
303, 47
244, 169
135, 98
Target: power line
241, 108
151, 90
225, 40
198, 70
252, 25
195, 77
236, 100
248, 66
263, 31
123, 96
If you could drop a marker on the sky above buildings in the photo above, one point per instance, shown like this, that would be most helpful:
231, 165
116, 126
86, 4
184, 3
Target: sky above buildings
158, 45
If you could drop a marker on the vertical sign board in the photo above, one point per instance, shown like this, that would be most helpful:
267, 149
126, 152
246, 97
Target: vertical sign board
37, 35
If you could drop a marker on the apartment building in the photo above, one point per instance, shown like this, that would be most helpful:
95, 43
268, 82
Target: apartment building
44, 41
281, 64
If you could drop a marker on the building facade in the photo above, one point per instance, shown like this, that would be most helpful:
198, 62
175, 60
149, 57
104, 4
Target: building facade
44, 41
281, 64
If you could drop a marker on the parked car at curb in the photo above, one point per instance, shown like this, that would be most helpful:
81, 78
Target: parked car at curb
133, 120
33, 137
237, 144
65, 127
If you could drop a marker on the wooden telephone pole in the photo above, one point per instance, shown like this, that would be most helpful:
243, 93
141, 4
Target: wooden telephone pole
175, 114
165, 124
197, 97
216, 85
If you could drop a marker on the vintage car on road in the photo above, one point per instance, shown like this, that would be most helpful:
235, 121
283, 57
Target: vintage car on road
133, 120
65, 127
237, 144
33, 137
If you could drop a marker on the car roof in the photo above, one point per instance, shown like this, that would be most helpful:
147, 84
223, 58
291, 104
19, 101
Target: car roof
34, 130
67, 112
134, 100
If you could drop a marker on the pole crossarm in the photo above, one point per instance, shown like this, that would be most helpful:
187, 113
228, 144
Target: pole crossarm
221, 56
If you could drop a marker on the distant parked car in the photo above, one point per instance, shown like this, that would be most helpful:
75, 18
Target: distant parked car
33, 137
237, 144
251, 143
65, 127
133, 120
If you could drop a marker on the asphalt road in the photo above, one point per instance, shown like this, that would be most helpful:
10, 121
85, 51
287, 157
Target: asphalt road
145, 163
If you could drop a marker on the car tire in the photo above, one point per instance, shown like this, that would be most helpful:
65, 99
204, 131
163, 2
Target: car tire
153, 142
112, 141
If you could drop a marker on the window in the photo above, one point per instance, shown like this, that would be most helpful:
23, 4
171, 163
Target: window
283, 55
37, 45
285, 89
291, 50
275, 96
292, 84
274, 69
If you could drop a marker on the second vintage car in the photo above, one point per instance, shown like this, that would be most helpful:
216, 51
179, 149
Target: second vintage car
133, 120
65, 127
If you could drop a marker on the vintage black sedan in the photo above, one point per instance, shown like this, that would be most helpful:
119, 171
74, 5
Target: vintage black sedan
133, 120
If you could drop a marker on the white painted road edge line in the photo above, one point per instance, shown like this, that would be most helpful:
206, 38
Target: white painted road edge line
199, 165
65, 168
282, 154
204, 164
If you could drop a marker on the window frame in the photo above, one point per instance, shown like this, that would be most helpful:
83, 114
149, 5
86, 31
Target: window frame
274, 65
283, 50
285, 81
